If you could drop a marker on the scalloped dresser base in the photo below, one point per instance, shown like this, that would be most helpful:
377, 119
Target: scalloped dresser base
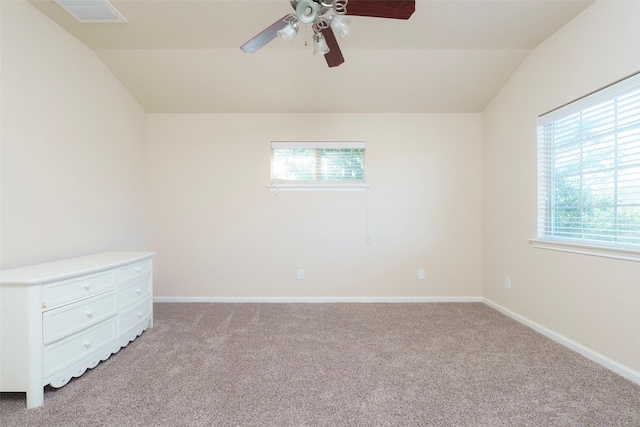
80, 368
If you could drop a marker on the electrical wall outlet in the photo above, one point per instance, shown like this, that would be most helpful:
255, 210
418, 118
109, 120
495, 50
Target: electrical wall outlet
421, 274
301, 274
507, 282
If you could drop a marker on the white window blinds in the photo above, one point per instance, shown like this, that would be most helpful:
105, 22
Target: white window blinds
589, 168
318, 165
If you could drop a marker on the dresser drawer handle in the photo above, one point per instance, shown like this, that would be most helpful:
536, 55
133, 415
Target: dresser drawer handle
87, 286
138, 291
89, 313
139, 314
87, 344
138, 270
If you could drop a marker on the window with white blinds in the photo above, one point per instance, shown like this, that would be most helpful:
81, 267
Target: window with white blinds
589, 169
319, 166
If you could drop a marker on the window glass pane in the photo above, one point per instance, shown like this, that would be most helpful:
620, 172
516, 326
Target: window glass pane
342, 164
629, 224
629, 185
294, 164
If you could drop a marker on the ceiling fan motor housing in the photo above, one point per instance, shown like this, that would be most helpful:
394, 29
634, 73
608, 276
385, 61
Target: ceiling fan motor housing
307, 11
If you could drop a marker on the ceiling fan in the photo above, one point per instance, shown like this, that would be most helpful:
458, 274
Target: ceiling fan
325, 17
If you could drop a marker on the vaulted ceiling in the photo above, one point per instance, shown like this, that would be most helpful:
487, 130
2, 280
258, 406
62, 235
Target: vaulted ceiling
183, 56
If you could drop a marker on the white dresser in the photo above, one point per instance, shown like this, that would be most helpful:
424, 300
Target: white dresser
60, 318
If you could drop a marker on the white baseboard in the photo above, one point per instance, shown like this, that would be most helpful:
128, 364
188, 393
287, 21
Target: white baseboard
317, 299
590, 354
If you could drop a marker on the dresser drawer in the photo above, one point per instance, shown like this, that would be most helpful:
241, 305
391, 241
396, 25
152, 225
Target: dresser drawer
63, 321
134, 270
69, 351
134, 292
130, 318
58, 293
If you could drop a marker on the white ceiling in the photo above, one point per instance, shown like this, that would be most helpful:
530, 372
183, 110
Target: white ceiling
183, 56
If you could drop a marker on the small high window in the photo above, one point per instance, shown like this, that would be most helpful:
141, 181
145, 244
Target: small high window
317, 166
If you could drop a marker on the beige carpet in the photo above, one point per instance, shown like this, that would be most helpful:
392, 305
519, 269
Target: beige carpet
439, 364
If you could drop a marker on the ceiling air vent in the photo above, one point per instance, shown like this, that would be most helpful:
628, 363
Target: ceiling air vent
92, 11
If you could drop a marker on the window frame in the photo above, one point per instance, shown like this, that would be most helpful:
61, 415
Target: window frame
546, 239
318, 185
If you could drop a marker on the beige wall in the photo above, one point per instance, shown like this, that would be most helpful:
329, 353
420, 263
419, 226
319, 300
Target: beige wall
72, 170
219, 232
592, 301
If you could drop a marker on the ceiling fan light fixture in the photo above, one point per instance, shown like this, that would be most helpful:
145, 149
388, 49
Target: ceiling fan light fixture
320, 46
340, 24
328, 21
307, 11
288, 33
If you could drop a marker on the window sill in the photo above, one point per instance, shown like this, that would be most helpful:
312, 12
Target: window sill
318, 187
585, 249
